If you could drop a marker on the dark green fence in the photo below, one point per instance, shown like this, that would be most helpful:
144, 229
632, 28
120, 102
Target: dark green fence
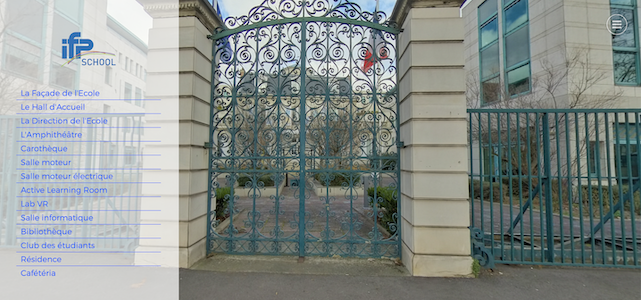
555, 186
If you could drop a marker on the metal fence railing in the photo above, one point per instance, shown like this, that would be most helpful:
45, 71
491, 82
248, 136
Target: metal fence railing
97, 175
555, 186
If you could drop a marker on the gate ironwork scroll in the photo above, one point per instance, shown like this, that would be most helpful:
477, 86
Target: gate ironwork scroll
304, 132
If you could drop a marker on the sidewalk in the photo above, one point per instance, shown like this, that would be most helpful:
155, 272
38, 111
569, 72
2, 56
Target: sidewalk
265, 278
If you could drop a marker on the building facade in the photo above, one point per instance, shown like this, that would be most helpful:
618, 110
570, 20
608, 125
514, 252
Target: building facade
542, 54
31, 58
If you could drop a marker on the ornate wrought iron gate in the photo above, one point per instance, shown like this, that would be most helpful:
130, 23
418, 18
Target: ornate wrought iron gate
304, 132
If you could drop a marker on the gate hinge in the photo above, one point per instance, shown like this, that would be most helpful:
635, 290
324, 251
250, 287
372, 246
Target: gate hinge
208, 145
400, 145
209, 36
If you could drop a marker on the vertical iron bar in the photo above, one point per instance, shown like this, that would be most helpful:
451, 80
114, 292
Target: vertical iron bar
540, 140
548, 189
597, 162
509, 174
351, 236
232, 146
491, 179
398, 154
586, 142
569, 171
630, 188
471, 178
530, 175
329, 133
501, 144
303, 132
481, 170
520, 176
618, 164
253, 232
580, 180
633, 208
559, 170
377, 163
279, 153
610, 187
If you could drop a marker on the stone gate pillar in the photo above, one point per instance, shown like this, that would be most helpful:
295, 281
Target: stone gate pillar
434, 181
193, 20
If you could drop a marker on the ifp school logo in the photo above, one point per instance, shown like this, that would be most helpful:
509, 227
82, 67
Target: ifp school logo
74, 47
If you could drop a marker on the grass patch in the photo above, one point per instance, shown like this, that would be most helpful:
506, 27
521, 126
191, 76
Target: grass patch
476, 268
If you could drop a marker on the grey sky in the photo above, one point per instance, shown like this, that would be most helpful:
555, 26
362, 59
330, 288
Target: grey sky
131, 14
242, 7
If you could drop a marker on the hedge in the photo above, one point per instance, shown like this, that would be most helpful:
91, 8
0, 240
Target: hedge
222, 202
559, 196
337, 178
493, 187
388, 203
266, 179
605, 193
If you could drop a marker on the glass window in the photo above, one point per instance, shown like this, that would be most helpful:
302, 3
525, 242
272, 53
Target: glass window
62, 28
518, 80
515, 15
130, 155
63, 76
487, 9
108, 75
491, 90
490, 61
621, 2
489, 32
627, 38
21, 62
627, 151
127, 95
625, 67
71, 8
624, 166
136, 127
108, 160
517, 46
27, 18
138, 97
592, 158
628, 132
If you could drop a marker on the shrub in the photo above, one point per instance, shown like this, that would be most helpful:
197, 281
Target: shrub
605, 193
266, 179
527, 185
493, 187
222, 202
388, 203
337, 178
